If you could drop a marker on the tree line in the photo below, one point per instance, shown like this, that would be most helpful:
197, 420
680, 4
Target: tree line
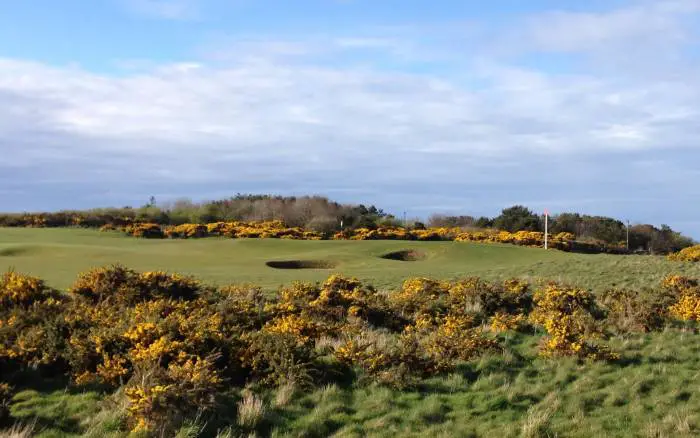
594, 229
320, 214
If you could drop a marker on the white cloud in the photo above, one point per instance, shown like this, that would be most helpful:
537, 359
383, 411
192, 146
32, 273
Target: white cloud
643, 24
298, 116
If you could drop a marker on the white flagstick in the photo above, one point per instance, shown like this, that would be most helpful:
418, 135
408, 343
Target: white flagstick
546, 229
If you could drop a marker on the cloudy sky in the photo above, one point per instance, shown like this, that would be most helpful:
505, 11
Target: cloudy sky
451, 106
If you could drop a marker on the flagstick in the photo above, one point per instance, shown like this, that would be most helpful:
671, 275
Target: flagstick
546, 229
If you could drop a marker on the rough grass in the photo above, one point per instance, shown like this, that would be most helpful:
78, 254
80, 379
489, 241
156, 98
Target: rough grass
58, 255
653, 393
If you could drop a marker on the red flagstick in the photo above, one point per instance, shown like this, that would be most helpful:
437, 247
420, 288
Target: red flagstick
546, 228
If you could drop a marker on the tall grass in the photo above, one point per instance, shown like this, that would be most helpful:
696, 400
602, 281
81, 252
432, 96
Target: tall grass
18, 431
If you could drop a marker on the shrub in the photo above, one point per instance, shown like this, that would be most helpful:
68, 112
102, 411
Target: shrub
690, 254
161, 399
278, 358
31, 326
502, 322
17, 290
126, 287
420, 295
475, 295
392, 361
106, 283
145, 230
632, 311
450, 338
569, 317
186, 231
155, 332
687, 294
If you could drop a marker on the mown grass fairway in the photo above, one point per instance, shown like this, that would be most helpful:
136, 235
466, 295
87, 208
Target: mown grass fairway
59, 255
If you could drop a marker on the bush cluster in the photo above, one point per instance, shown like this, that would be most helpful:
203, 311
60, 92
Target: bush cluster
569, 316
687, 305
263, 230
690, 254
278, 230
176, 345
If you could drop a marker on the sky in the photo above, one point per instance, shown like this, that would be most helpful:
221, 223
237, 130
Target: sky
447, 106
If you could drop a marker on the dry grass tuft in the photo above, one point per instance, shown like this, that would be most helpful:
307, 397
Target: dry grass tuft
18, 431
284, 395
536, 423
251, 411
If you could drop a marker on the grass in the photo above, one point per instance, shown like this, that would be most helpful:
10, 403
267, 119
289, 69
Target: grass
653, 393
54, 413
58, 255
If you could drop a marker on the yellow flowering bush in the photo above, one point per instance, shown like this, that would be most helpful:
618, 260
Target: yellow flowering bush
161, 398
154, 332
419, 294
396, 361
690, 254
277, 358
473, 295
502, 322
124, 286
147, 231
569, 317
31, 329
23, 290
186, 231
303, 329
687, 297
450, 338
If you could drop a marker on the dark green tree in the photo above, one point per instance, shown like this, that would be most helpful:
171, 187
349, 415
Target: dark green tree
517, 218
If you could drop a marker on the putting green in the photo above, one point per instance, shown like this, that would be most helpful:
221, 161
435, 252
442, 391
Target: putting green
58, 255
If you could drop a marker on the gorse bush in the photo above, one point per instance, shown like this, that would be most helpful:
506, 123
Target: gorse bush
569, 316
637, 311
687, 291
278, 230
176, 346
690, 254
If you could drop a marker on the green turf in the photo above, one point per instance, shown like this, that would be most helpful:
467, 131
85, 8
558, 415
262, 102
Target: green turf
58, 255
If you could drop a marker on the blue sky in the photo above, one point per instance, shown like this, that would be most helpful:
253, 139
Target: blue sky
445, 106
